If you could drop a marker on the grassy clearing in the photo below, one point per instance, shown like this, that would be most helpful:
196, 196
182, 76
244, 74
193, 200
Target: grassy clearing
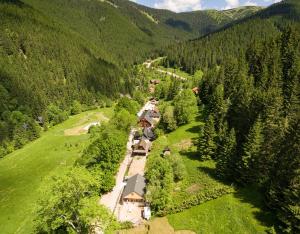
177, 72
22, 172
200, 176
238, 213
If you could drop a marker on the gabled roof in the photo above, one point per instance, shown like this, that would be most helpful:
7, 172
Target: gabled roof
135, 184
146, 116
148, 133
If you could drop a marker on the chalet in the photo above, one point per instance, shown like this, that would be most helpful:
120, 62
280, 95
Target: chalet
135, 189
149, 134
146, 120
142, 147
155, 82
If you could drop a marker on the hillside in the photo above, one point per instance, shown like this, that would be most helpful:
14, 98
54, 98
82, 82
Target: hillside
250, 92
233, 39
55, 52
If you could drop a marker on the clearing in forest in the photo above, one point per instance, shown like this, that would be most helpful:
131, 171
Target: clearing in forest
22, 172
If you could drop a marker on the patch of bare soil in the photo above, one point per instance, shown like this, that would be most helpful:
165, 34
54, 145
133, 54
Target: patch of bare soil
83, 125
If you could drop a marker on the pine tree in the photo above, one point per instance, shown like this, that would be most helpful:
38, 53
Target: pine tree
251, 154
284, 190
218, 106
207, 145
226, 158
290, 64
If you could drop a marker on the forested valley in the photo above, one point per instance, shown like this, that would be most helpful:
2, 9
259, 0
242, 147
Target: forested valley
226, 85
56, 52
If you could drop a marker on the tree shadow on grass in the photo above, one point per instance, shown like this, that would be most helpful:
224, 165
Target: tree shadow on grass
253, 196
190, 154
212, 173
194, 129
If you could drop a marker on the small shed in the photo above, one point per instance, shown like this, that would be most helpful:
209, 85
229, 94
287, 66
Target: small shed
167, 151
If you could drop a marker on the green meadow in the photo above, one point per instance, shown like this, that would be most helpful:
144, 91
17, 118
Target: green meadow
22, 172
239, 213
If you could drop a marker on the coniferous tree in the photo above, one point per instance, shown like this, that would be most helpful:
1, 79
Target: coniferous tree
251, 154
207, 140
226, 156
290, 64
284, 191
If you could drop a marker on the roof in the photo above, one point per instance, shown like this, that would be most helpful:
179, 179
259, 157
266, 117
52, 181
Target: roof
146, 116
166, 149
148, 133
136, 184
144, 143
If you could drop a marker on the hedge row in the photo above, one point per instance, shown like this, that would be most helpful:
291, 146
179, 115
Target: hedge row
197, 200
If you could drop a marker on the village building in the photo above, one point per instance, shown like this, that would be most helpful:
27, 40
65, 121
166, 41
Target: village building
146, 120
135, 189
142, 148
149, 134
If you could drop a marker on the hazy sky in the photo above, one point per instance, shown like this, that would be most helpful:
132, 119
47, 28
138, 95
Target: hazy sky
189, 5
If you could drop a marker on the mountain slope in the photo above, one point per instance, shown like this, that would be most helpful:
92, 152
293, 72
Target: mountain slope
55, 52
233, 39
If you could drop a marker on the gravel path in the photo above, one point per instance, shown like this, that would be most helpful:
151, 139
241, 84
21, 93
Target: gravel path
111, 199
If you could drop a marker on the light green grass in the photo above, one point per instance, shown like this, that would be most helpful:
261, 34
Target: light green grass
200, 175
239, 213
177, 72
22, 172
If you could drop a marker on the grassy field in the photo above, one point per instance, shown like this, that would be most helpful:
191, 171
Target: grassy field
238, 213
22, 172
200, 177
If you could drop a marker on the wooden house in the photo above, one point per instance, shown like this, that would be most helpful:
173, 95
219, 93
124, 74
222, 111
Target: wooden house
142, 148
146, 120
135, 189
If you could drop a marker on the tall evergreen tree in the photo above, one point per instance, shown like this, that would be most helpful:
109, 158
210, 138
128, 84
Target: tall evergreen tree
226, 158
207, 140
251, 154
290, 64
284, 191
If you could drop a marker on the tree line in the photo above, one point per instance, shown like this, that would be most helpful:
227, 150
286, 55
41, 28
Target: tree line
252, 127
